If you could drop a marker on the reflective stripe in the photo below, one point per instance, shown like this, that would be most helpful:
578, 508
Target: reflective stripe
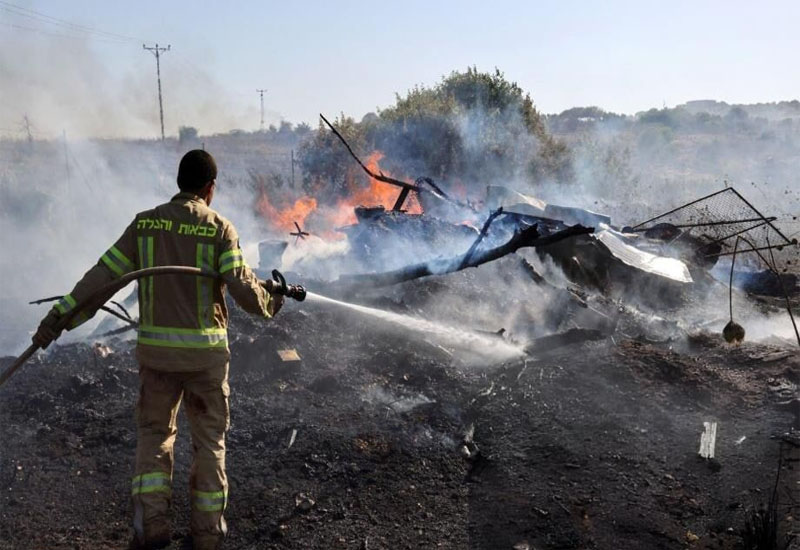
117, 262
65, 304
205, 286
146, 283
143, 281
232, 265
231, 259
117, 270
150, 483
150, 263
213, 501
227, 254
183, 337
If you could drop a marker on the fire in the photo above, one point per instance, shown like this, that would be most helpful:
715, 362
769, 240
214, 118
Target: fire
375, 193
284, 219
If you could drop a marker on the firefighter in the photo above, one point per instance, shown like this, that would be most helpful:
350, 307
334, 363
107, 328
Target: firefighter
182, 347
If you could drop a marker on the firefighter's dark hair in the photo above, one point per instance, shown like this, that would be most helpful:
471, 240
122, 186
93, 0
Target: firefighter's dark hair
196, 169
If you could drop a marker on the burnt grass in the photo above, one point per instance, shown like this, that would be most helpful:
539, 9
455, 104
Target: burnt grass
593, 445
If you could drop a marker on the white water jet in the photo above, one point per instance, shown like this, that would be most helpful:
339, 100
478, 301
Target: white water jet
482, 345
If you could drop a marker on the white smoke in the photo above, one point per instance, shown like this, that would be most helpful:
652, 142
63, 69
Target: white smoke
63, 84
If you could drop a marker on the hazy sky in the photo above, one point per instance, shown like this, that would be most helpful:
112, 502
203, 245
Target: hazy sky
353, 56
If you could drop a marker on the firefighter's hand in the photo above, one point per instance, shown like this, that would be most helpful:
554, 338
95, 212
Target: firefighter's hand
46, 332
275, 303
275, 299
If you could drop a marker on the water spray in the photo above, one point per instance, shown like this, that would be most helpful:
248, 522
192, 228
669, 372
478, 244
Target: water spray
481, 344
499, 349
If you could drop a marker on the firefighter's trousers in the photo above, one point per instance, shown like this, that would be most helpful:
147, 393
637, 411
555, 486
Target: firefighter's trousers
206, 395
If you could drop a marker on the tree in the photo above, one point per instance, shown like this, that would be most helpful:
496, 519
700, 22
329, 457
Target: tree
473, 127
187, 134
302, 130
323, 160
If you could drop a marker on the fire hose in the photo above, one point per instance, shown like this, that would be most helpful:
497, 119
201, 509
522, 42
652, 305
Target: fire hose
96, 299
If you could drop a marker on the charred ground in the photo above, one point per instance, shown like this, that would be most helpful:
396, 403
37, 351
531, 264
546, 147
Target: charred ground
590, 445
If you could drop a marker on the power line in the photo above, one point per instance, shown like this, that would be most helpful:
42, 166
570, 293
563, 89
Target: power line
43, 17
60, 35
157, 52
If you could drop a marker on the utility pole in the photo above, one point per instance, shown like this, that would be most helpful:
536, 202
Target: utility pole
261, 93
157, 52
26, 124
293, 163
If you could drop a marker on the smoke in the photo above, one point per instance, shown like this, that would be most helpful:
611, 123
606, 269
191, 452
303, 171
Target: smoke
62, 204
316, 257
635, 167
64, 84
56, 226
69, 186
463, 150
762, 327
68, 190
498, 146
622, 166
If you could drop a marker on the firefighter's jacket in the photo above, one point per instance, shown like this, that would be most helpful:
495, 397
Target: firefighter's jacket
183, 319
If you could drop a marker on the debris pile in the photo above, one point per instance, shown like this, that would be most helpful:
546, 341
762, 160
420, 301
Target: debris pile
536, 378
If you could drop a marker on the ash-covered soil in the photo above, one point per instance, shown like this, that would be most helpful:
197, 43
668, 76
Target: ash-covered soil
592, 445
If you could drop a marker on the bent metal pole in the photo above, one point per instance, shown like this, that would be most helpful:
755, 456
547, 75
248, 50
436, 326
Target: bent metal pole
99, 297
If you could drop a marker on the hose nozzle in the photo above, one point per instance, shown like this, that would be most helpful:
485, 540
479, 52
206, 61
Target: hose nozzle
278, 286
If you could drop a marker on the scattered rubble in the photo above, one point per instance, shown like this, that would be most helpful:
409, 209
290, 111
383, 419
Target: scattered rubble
708, 440
288, 355
303, 503
585, 437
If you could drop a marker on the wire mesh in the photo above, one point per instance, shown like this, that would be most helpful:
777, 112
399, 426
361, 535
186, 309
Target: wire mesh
717, 219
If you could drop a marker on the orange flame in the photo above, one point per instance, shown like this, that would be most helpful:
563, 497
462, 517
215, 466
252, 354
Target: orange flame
284, 219
376, 193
